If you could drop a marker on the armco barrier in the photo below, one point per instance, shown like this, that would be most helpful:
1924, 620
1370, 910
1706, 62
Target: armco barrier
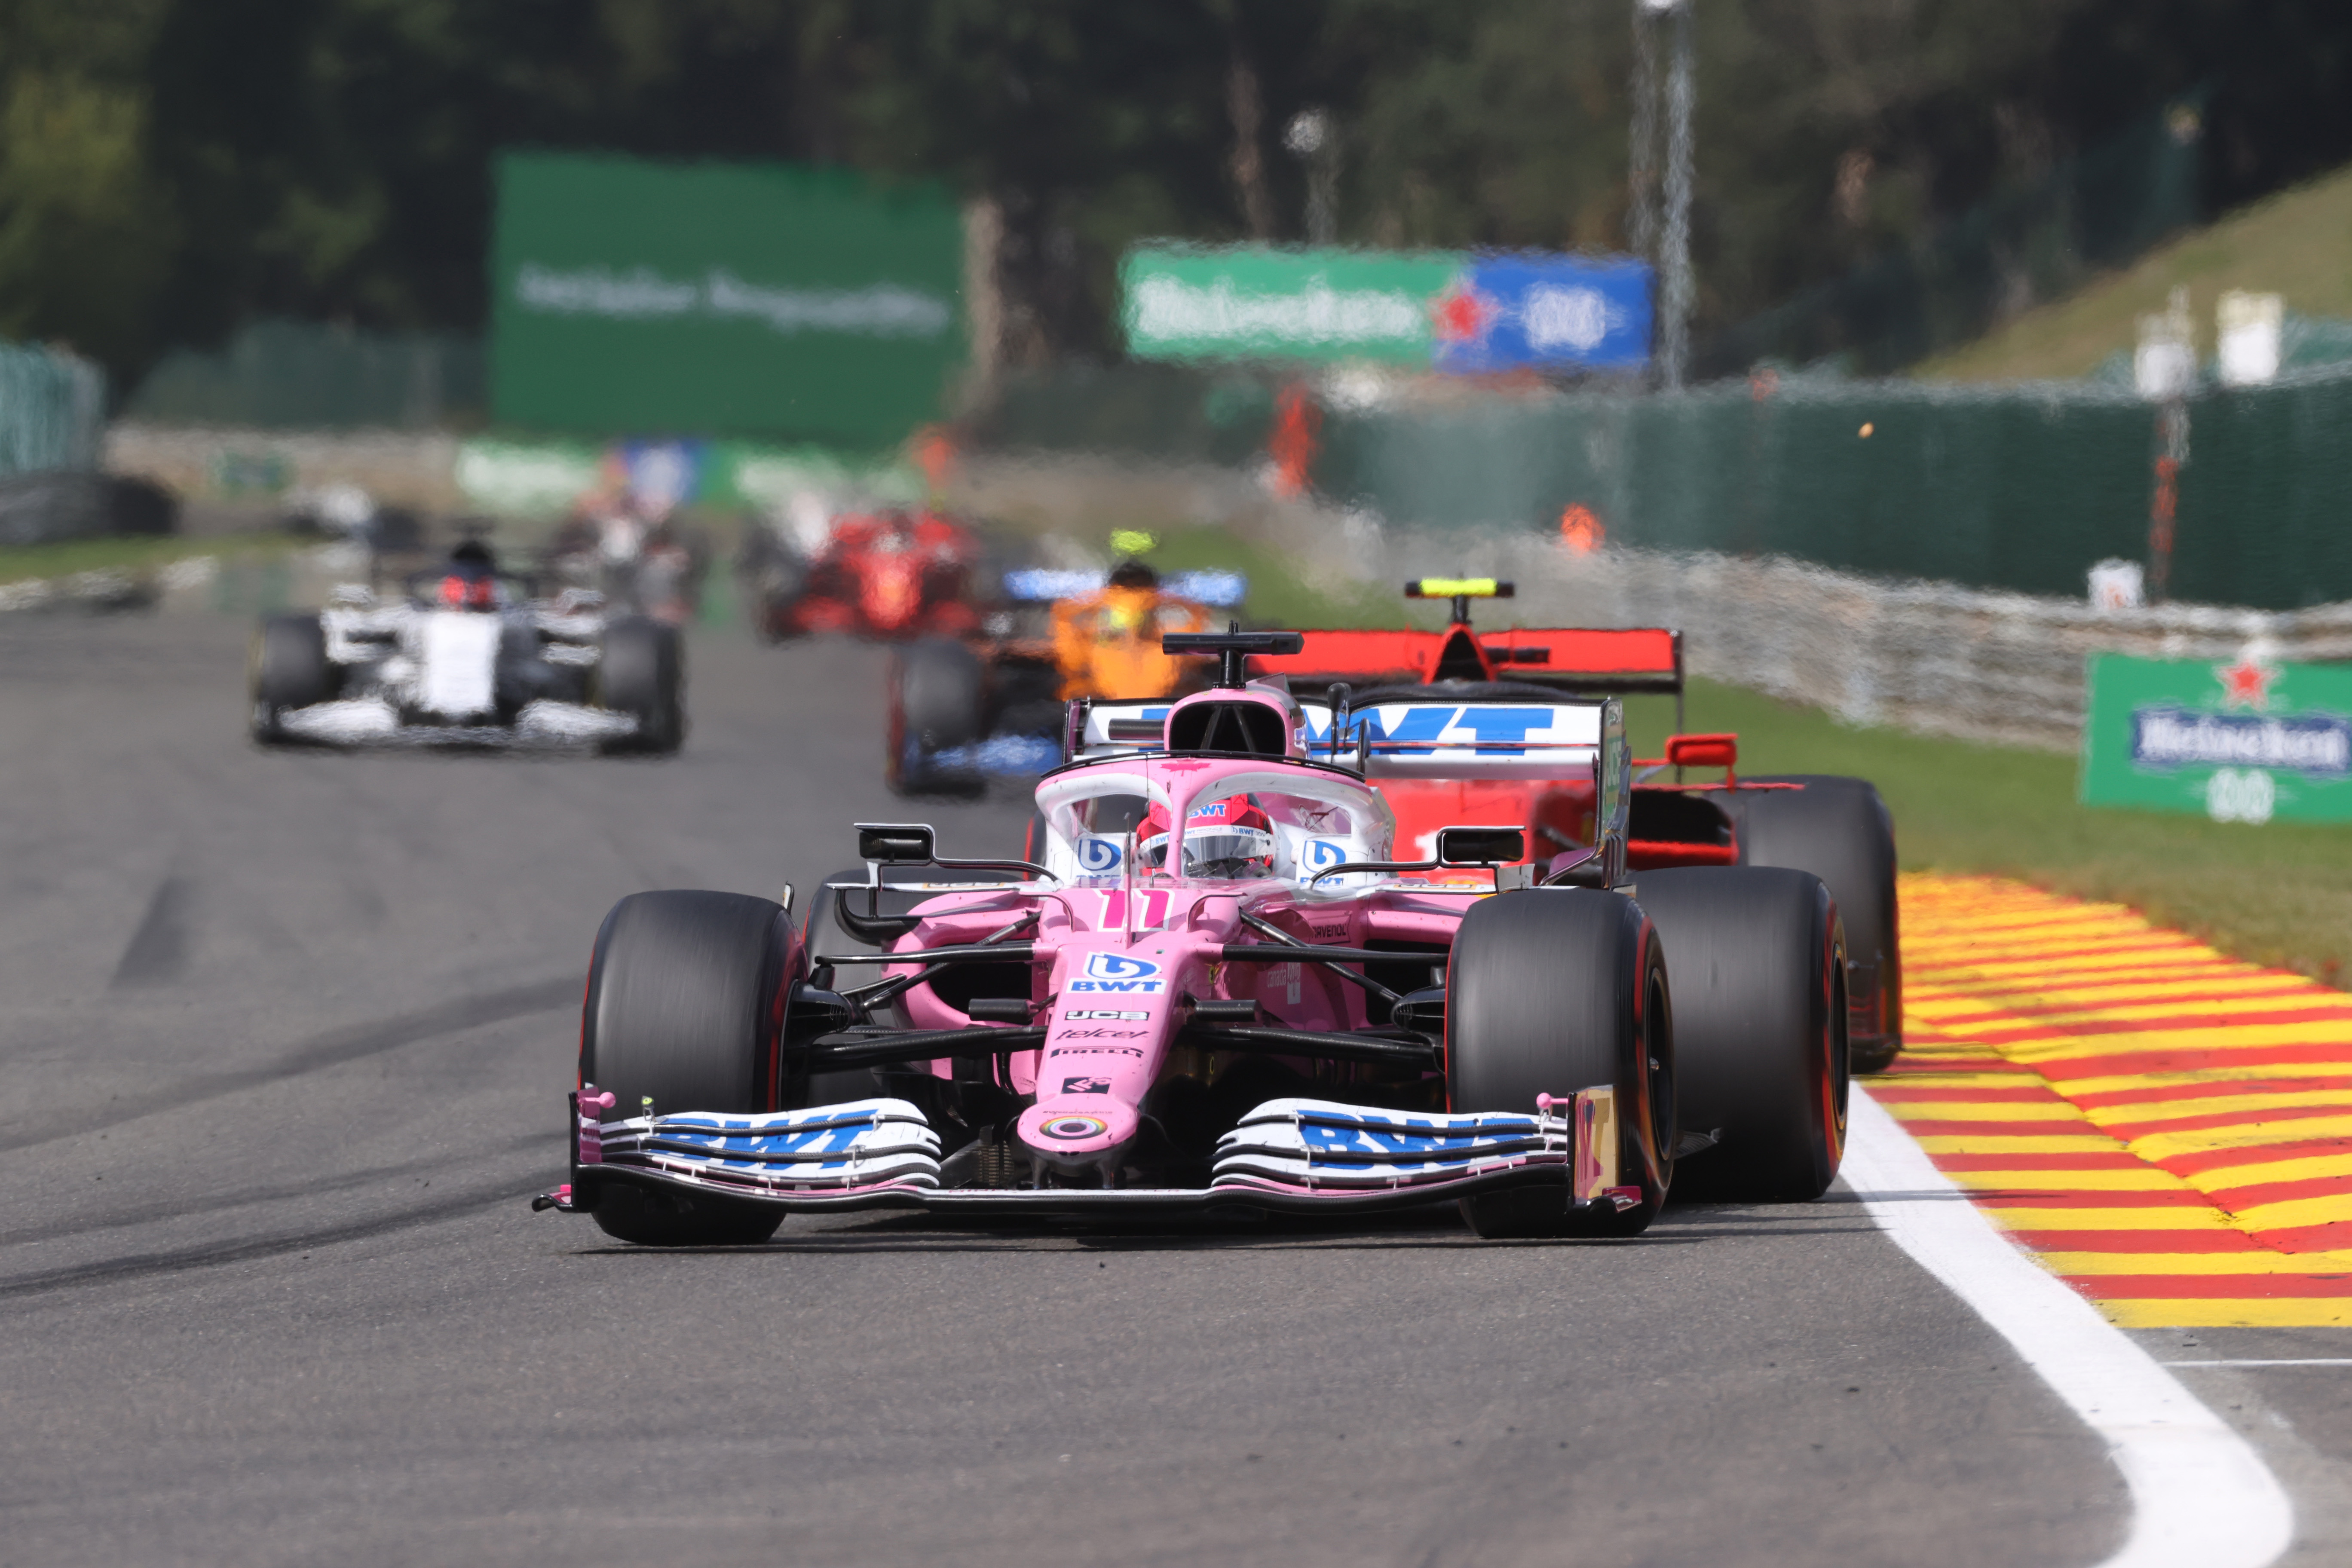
1923, 656
2017, 488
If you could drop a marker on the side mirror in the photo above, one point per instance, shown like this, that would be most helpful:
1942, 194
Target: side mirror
1702, 750
1480, 845
898, 843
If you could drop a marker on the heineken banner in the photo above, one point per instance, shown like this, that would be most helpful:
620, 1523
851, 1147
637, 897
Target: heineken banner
1452, 308
719, 299
2244, 741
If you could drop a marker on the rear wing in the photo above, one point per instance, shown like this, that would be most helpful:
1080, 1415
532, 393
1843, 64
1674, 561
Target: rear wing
1404, 739
1582, 661
1467, 740
1044, 585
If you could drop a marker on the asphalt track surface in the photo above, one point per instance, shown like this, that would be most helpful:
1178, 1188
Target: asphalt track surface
285, 1038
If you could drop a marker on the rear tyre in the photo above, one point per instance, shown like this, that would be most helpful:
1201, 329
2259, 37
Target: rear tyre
684, 1007
290, 670
1553, 992
938, 702
1759, 1027
642, 672
1840, 830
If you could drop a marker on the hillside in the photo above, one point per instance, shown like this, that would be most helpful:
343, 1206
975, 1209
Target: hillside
2297, 243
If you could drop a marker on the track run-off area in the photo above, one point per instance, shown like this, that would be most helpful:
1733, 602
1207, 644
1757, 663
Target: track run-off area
2170, 1130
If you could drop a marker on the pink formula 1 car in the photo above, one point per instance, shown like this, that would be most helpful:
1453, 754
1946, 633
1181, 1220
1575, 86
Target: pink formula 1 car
1221, 988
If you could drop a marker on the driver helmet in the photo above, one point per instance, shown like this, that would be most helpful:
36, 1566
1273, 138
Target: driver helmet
471, 581
1226, 841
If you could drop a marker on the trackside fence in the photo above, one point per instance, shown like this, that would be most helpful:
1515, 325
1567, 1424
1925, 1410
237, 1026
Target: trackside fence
52, 410
2017, 488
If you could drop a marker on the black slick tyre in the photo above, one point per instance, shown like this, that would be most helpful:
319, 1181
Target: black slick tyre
1759, 1027
685, 1008
938, 701
1551, 992
290, 670
1839, 829
641, 671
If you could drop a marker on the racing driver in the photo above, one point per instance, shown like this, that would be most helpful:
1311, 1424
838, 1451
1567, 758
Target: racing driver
1108, 643
1227, 840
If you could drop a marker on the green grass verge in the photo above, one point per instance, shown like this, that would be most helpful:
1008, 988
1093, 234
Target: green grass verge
23, 562
2279, 894
2292, 244
1280, 593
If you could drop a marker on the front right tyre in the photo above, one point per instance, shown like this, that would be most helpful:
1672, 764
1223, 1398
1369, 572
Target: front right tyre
684, 1007
290, 670
938, 702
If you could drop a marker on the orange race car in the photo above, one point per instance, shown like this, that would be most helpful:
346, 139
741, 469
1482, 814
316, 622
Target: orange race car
963, 711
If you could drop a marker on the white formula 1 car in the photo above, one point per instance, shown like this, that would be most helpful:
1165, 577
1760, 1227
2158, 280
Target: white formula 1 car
468, 655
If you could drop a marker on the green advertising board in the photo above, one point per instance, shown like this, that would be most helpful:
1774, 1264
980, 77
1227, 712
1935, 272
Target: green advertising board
744, 299
1184, 302
546, 477
2239, 741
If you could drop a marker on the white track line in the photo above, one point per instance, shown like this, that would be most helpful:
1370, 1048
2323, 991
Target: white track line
2201, 1498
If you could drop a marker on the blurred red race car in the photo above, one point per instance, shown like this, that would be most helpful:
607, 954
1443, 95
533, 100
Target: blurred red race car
894, 575
1464, 681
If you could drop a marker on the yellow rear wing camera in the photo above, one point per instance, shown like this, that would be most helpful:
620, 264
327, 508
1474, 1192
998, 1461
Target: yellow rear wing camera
1460, 588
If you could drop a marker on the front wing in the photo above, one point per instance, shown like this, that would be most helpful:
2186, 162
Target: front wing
368, 720
1294, 1156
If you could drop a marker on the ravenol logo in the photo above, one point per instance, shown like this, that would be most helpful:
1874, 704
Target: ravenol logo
1097, 855
1118, 972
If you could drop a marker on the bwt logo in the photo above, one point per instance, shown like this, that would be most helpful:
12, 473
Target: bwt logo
1323, 852
1118, 972
1097, 855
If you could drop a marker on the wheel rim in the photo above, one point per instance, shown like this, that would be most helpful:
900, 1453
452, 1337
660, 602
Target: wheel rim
1838, 1076
1658, 1071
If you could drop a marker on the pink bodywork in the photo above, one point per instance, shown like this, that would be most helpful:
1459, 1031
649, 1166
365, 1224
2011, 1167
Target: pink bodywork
1117, 956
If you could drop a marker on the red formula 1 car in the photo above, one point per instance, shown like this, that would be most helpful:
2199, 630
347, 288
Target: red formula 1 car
1838, 828
1224, 988
893, 575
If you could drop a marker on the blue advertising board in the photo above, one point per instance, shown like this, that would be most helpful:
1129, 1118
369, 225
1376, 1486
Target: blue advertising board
1504, 311
1457, 310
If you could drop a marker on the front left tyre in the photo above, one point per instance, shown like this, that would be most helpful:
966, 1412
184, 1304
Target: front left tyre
1838, 829
642, 672
1759, 1027
684, 1007
1550, 992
